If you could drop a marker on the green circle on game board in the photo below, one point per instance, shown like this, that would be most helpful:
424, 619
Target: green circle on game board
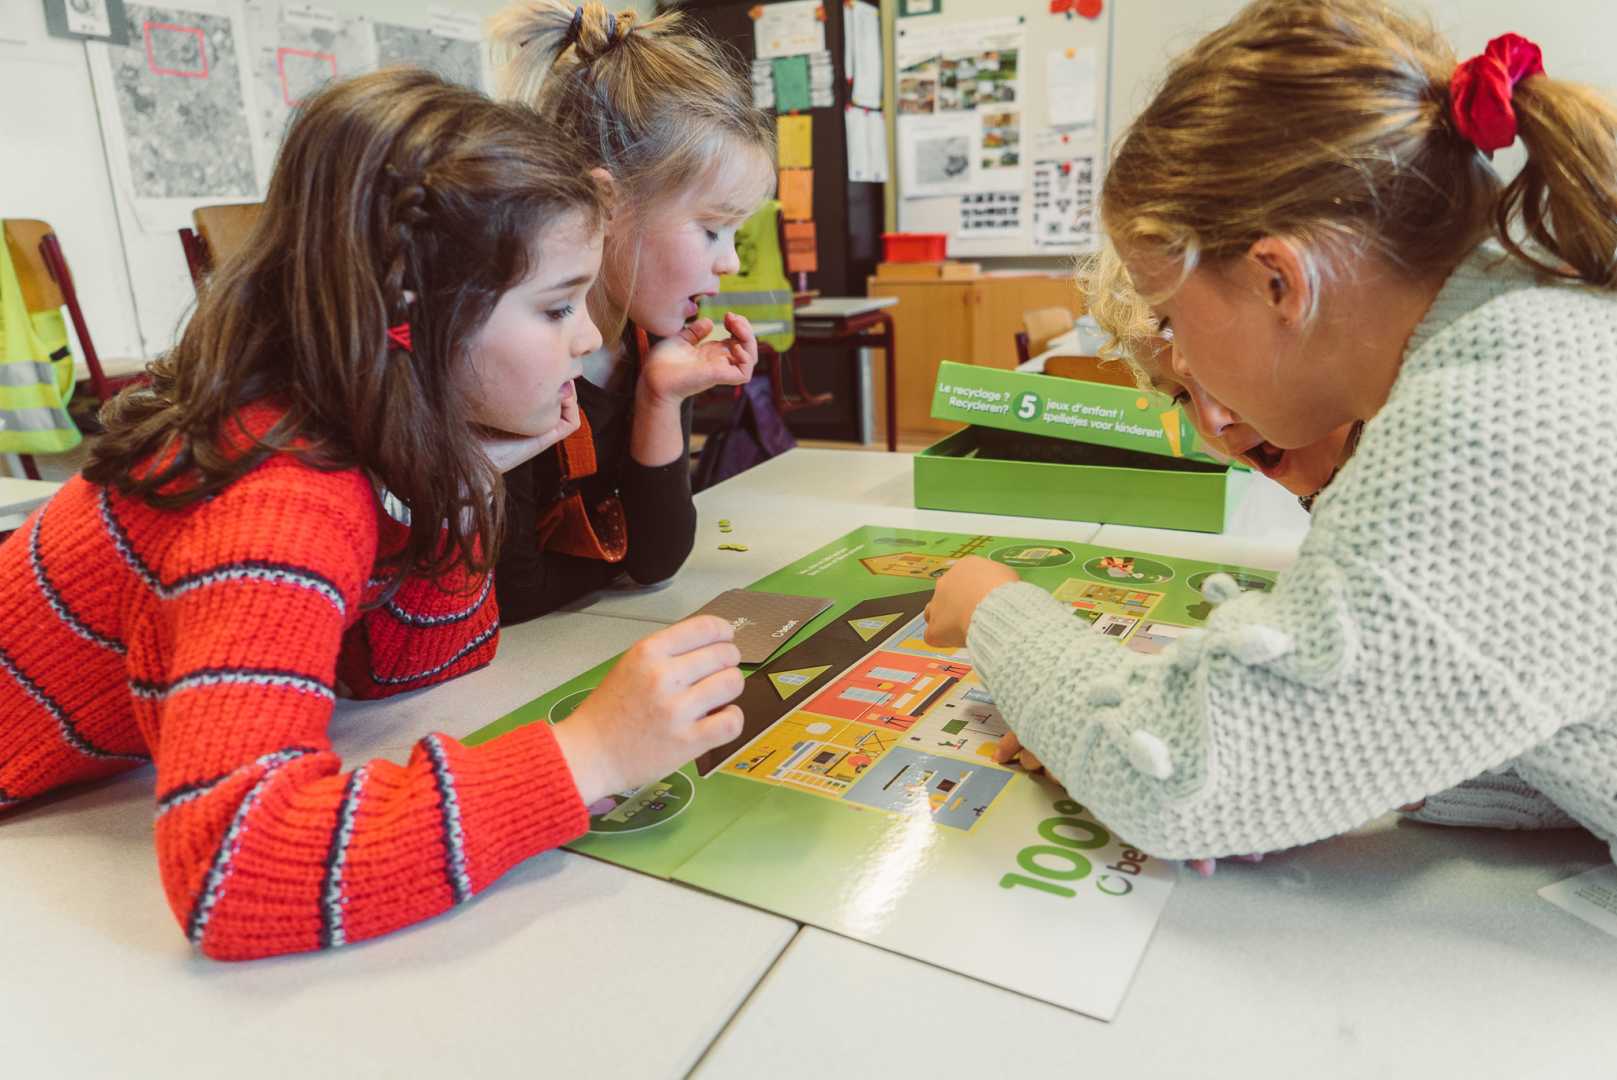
1247, 582
1032, 555
564, 708
1128, 570
652, 805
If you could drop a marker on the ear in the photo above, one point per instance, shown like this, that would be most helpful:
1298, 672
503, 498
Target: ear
1281, 270
609, 187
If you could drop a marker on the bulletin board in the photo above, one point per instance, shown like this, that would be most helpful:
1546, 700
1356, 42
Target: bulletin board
1001, 124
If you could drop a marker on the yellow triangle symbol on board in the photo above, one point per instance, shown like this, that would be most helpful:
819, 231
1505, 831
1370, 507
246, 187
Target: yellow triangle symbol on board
869, 628
1170, 428
787, 683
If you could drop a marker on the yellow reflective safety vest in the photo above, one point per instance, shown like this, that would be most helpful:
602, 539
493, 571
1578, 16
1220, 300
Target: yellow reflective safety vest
36, 373
760, 291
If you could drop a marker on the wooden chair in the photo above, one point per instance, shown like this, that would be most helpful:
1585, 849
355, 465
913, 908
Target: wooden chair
220, 232
1043, 324
47, 284
1091, 369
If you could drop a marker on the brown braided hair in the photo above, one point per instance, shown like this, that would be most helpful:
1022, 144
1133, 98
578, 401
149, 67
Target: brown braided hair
396, 197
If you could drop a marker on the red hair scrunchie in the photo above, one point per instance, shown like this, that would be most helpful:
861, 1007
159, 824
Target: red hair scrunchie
1479, 92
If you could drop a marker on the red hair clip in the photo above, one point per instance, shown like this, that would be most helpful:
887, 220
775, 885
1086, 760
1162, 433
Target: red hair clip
400, 335
1479, 92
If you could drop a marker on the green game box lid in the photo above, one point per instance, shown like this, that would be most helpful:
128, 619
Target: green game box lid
1072, 409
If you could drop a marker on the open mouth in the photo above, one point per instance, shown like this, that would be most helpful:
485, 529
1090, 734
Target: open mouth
1266, 456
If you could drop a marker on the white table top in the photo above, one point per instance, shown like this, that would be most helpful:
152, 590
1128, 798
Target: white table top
566, 967
19, 495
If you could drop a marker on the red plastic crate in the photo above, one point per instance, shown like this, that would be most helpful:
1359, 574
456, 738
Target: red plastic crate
914, 247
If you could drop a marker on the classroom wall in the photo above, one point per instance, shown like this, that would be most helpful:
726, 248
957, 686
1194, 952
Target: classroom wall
1148, 33
54, 167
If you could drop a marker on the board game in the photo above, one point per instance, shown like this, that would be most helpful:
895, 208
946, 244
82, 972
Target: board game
862, 795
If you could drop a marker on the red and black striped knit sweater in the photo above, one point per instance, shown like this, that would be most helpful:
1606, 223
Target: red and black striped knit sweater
209, 641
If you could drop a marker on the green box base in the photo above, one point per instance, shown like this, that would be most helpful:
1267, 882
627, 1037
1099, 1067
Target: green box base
949, 475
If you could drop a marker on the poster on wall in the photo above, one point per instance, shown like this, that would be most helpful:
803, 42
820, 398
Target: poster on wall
984, 73
1064, 191
95, 20
935, 154
1071, 81
173, 105
998, 157
991, 213
458, 59
792, 28
295, 50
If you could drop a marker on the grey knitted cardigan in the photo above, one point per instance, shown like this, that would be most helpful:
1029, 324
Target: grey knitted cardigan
1452, 610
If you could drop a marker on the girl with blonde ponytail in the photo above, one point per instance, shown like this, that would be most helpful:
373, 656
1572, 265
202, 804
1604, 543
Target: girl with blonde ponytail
667, 115
1307, 215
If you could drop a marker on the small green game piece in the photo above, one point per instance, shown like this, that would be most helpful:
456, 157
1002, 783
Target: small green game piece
724, 523
734, 547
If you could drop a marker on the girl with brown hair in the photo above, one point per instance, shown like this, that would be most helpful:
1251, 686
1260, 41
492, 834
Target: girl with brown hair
307, 496
1308, 205
667, 114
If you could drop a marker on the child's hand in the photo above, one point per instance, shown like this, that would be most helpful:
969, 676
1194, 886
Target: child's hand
679, 367
1010, 750
665, 702
957, 595
507, 451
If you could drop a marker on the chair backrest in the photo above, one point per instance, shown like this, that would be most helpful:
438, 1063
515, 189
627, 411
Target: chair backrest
1042, 324
1090, 369
39, 289
225, 228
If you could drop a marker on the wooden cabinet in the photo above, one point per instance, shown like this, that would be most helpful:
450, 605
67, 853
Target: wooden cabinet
970, 322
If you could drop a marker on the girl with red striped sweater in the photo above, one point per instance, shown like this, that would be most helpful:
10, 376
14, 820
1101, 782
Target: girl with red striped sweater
307, 497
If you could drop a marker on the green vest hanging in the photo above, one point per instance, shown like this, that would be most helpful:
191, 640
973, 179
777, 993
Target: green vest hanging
36, 373
760, 291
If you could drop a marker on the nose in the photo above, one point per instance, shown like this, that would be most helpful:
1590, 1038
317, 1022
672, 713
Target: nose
728, 261
1212, 418
588, 337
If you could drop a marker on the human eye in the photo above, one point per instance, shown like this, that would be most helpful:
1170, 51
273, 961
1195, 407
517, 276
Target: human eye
1165, 327
560, 314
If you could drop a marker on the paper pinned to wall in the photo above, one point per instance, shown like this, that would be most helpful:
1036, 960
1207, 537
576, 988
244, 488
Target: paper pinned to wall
795, 140
876, 140
939, 72
822, 79
997, 161
864, 59
174, 114
802, 253
454, 58
763, 84
791, 77
991, 213
867, 145
453, 22
296, 49
788, 29
1064, 190
1070, 86
797, 194
934, 154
